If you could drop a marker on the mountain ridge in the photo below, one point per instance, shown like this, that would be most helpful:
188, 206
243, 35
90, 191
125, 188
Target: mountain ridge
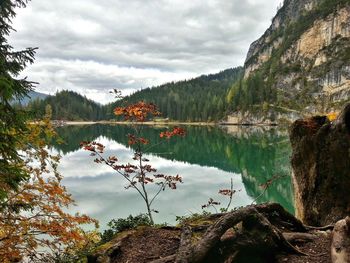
197, 99
31, 96
189, 100
299, 65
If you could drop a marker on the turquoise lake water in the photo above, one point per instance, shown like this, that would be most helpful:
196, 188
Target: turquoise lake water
207, 159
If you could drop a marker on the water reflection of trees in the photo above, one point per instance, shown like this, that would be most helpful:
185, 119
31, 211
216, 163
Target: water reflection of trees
255, 154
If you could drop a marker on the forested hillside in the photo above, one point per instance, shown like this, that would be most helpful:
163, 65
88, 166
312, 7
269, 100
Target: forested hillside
198, 99
68, 105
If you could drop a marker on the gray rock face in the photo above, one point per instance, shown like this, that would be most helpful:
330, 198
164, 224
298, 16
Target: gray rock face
312, 67
289, 12
340, 249
321, 168
270, 117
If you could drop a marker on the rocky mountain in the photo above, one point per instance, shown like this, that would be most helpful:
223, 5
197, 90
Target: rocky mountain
32, 95
300, 65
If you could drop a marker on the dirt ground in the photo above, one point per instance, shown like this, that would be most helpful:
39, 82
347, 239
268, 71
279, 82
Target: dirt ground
317, 251
149, 244
153, 243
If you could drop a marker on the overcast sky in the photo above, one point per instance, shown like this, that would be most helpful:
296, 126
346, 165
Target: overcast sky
93, 46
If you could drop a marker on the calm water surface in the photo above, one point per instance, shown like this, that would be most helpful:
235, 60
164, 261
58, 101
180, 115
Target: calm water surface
207, 159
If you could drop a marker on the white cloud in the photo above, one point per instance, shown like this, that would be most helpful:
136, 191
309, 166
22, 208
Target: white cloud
91, 46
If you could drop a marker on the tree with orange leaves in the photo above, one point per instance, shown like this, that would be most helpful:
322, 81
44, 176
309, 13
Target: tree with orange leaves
139, 173
33, 221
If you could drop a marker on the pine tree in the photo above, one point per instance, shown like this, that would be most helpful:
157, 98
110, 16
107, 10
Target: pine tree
12, 87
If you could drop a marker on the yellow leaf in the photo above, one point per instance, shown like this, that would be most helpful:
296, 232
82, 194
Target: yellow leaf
332, 116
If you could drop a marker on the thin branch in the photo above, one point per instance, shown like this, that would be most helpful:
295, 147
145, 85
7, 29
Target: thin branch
122, 174
231, 194
267, 185
162, 187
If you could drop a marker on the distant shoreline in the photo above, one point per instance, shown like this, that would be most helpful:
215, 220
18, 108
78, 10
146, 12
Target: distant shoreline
157, 123
172, 123
139, 123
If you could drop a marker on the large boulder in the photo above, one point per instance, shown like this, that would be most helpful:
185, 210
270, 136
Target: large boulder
321, 168
340, 249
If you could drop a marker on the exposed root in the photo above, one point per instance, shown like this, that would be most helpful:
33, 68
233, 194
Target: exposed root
256, 231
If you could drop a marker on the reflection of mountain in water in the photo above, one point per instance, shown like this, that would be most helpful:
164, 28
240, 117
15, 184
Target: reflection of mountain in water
255, 154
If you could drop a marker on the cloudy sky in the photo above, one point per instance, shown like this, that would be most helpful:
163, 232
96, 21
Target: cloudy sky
93, 46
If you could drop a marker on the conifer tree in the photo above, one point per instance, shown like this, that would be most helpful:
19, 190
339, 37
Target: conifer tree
12, 88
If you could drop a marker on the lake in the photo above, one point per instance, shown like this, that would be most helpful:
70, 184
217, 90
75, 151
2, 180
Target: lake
207, 158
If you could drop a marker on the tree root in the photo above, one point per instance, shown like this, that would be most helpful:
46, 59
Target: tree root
321, 228
252, 229
168, 259
299, 237
184, 250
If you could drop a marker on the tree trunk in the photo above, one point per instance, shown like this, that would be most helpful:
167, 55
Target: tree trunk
321, 168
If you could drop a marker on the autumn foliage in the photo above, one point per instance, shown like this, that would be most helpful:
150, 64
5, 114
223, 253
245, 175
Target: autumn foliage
137, 112
175, 132
139, 172
34, 223
225, 192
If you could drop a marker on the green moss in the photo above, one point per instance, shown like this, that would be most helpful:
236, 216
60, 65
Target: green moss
195, 219
121, 224
116, 238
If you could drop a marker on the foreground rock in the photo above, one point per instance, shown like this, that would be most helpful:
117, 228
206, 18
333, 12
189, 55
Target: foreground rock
321, 168
260, 233
341, 242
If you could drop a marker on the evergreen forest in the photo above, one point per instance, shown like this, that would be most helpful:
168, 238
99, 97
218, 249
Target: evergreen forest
198, 99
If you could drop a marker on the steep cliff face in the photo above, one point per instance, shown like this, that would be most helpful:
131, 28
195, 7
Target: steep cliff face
303, 59
261, 50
